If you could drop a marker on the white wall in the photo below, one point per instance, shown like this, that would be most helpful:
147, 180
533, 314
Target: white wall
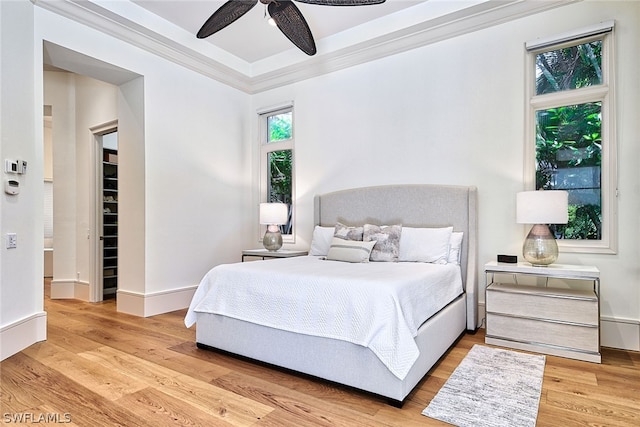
22, 319
192, 169
96, 103
453, 113
190, 172
197, 186
131, 196
59, 92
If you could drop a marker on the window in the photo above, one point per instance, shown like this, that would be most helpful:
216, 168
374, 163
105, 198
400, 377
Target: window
276, 161
570, 134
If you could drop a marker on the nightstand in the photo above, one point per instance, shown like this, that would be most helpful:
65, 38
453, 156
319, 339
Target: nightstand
555, 320
264, 253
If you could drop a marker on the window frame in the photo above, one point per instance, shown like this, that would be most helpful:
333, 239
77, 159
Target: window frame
603, 93
267, 147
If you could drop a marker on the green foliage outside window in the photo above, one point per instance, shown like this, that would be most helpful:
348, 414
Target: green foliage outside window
280, 163
569, 68
569, 140
279, 127
569, 157
280, 176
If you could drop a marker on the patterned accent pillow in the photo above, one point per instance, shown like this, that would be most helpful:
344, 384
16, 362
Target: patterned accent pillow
344, 232
387, 238
349, 250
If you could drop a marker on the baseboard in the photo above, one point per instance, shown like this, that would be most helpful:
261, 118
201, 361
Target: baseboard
20, 334
82, 290
151, 304
63, 289
70, 289
620, 333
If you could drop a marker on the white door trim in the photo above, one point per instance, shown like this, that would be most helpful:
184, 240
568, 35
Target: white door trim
96, 236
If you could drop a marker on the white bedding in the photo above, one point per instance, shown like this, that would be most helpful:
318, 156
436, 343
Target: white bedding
379, 305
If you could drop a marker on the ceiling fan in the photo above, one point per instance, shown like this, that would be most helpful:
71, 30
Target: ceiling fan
284, 13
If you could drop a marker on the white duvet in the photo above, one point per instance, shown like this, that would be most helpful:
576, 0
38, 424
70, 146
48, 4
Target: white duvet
379, 305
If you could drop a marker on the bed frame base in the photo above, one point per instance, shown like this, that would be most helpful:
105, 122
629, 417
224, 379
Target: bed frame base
391, 402
334, 360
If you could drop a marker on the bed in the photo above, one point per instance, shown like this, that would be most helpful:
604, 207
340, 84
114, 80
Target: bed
386, 359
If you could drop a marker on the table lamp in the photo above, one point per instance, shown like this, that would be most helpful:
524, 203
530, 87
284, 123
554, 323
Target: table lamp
272, 215
541, 208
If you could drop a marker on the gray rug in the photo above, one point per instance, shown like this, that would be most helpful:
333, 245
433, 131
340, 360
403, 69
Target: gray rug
491, 387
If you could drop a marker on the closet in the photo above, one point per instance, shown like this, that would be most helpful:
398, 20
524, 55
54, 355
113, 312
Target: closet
110, 222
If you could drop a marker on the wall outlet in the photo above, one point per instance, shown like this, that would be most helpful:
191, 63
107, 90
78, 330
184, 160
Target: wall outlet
12, 240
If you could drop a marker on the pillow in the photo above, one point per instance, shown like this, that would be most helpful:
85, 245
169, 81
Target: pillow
348, 233
455, 247
425, 244
349, 250
321, 240
387, 238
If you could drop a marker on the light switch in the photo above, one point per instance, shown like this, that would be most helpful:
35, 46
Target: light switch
12, 240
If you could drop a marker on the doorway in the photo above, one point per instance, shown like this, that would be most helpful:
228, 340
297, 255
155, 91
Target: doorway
80, 99
107, 203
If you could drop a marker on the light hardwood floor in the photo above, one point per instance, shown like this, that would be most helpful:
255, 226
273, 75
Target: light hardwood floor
103, 368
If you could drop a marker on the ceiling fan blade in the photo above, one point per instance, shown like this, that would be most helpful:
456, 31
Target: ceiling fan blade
293, 25
342, 2
225, 15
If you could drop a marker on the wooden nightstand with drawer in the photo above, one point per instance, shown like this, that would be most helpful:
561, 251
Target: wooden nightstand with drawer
561, 321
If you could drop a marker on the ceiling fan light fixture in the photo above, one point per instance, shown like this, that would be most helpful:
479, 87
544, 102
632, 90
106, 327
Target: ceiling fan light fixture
269, 19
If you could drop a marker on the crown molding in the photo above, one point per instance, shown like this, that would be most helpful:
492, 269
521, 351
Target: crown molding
465, 21
105, 21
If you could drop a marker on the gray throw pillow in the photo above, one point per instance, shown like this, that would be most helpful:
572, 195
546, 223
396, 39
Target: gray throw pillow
347, 233
387, 238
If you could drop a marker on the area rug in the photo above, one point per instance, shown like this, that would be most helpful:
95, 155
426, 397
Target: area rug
491, 387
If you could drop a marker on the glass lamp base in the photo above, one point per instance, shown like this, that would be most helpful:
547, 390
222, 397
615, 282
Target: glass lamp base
272, 240
540, 247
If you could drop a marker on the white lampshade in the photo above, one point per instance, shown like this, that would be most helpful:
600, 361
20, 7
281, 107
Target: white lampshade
273, 213
542, 207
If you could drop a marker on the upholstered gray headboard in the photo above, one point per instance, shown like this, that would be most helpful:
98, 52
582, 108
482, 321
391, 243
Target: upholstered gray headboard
417, 205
